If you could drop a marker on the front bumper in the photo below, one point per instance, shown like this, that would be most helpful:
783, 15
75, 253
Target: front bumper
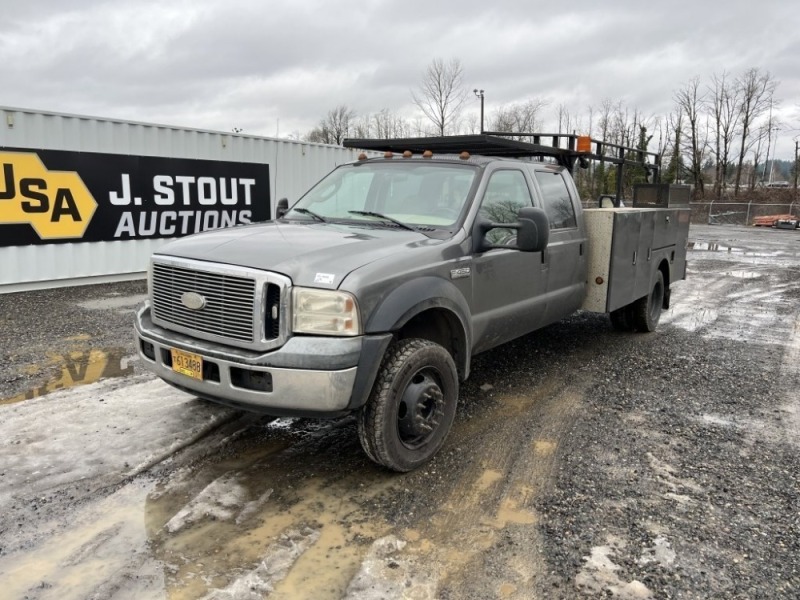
312, 376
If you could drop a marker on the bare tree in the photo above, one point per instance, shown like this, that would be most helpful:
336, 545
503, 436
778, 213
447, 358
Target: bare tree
756, 89
723, 107
334, 127
600, 181
771, 126
441, 94
563, 118
758, 136
471, 124
674, 134
362, 126
604, 120
518, 118
689, 101
386, 124
621, 125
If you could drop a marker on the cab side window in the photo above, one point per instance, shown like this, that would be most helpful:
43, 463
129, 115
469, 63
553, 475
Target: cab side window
505, 194
557, 201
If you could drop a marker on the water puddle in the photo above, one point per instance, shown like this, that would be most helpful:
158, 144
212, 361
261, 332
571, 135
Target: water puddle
544, 447
255, 527
717, 420
716, 247
259, 527
488, 479
78, 367
102, 552
744, 274
510, 512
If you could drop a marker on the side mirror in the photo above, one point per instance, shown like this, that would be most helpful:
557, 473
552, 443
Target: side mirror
534, 229
532, 226
282, 208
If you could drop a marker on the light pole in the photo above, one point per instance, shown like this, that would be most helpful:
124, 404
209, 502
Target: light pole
774, 148
766, 162
796, 165
479, 94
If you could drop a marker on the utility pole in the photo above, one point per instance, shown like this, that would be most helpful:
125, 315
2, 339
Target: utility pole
479, 94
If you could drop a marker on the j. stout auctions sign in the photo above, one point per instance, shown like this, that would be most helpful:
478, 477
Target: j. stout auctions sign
51, 196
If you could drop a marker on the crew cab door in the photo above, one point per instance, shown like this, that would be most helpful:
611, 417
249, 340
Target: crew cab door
564, 260
508, 292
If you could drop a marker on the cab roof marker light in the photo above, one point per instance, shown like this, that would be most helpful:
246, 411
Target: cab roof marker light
408, 154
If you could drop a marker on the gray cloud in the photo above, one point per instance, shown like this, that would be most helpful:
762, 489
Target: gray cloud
217, 64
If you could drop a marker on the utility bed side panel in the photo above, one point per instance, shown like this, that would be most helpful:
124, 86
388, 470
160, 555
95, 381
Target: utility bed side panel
625, 247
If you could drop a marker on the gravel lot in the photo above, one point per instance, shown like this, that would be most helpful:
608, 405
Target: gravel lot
583, 462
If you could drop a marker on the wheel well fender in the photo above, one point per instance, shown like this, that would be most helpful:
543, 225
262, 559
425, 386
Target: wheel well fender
430, 308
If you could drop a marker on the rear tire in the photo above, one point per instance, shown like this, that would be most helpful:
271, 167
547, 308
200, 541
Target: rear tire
411, 407
646, 311
622, 319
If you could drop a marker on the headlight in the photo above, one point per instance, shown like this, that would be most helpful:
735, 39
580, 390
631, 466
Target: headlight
324, 312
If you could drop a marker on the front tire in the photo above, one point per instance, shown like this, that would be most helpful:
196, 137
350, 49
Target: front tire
412, 405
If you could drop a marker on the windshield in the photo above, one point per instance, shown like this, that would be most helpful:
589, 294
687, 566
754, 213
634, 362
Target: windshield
415, 193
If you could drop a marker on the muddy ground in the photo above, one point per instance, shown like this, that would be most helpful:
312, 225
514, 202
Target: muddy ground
583, 463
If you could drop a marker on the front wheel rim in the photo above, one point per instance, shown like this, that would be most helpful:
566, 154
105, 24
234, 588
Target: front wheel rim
420, 410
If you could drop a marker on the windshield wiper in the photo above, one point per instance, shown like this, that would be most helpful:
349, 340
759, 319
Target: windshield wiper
310, 213
369, 213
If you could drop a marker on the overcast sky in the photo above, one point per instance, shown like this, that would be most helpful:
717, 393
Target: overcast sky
278, 67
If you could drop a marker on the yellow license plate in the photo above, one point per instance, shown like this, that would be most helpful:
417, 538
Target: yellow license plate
187, 363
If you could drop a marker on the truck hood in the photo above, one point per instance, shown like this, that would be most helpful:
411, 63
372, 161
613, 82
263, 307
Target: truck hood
317, 254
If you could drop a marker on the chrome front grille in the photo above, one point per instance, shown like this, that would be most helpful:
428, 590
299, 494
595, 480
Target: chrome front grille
228, 311
236, 300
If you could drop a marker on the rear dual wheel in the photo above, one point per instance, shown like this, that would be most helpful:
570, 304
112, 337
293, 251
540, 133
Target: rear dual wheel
622, 319
646, 311
643, 314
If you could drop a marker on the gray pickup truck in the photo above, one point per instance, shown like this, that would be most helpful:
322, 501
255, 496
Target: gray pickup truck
373, 291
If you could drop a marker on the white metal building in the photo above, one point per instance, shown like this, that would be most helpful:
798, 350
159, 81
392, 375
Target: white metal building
293, 167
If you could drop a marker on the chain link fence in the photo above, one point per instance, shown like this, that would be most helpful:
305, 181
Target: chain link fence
738, 213
723, 212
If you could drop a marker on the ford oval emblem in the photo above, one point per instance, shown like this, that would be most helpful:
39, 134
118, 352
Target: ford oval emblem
193, 300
